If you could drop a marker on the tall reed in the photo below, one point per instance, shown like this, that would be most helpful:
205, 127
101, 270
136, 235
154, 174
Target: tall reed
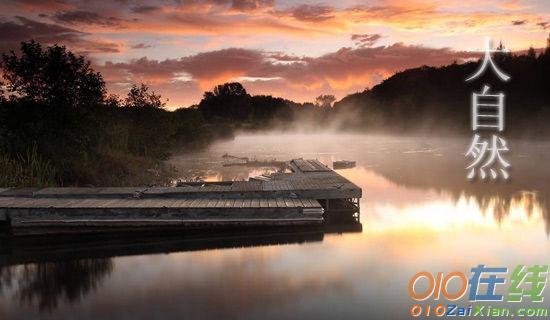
27, 170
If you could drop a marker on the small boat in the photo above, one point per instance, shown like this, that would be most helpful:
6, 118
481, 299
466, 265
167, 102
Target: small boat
343, 164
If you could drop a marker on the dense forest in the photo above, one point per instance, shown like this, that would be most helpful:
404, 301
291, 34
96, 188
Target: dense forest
422, 100
60, 126
428, 99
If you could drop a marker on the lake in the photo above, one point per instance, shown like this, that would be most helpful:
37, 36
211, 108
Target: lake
418, 212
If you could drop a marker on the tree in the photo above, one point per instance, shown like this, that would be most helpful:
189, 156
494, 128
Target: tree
140, 97
53, 76
531, 53
228, 101
2, 97
230, 89
325, 100
113, 101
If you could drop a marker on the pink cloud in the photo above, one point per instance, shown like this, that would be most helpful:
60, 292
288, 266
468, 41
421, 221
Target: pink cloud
344, 71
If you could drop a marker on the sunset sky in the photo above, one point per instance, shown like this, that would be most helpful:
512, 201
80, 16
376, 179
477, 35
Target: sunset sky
293, 49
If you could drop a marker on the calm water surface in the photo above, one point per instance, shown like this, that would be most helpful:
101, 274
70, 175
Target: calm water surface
418, 213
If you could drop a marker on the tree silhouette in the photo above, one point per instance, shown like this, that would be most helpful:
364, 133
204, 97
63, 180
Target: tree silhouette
325, 100
229, 101
140, 97
425, 99
59, 106
59, 109
53, 76
232, 89
531, 53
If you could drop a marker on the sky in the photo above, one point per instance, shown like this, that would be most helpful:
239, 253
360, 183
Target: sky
293, 49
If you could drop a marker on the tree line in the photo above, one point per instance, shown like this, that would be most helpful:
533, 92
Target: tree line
430, 99
60, 126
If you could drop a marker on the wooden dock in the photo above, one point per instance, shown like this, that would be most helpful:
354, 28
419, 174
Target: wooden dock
301, 197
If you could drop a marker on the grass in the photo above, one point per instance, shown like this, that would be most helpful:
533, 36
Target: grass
27, 170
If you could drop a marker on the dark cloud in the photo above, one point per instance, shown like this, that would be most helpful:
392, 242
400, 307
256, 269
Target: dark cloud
313, 13
141, 46
519, 22
76, 17
335, 68
365, 40
237, 5
544, 25
146, 9
247, 5
282, 57
47, 5
232, 61
143, 68
301, 78
13, 32
90, 47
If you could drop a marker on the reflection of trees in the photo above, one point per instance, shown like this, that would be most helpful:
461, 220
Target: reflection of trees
46, 283
6, 276
500, 205
445, 174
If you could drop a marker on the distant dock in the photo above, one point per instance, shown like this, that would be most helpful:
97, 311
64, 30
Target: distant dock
306, 196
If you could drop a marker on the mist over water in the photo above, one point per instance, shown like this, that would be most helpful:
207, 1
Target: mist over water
418, 211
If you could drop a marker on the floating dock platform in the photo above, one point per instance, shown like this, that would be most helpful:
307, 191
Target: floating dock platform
306, 196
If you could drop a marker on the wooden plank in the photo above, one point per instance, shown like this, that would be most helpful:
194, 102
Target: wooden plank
310, 180
212, 203
194, 203
272, 203
11, 192
183, 203
170, 203
66, 192
280, 203
74, 202
220, 203
319, 165
83, 203
202, 203
238, 203
308, 166
288, 202
105, 203
297, 203
9, 202
229, 203
142, 203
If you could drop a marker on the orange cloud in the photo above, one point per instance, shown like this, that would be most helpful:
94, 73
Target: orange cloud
228, 40
300, 78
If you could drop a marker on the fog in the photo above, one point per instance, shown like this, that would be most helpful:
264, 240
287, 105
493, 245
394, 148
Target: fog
431, 163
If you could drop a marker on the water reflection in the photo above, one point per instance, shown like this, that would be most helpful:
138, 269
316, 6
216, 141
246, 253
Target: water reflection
395, 171
418, 212
43, 275
45, 284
